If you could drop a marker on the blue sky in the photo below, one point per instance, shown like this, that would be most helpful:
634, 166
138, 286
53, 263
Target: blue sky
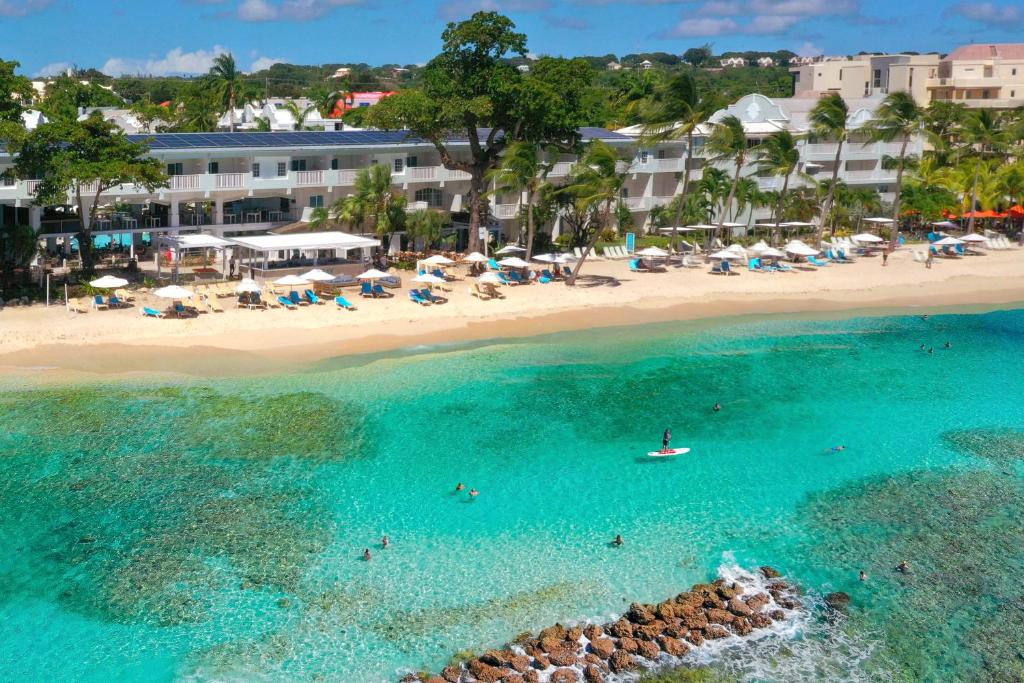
181, 36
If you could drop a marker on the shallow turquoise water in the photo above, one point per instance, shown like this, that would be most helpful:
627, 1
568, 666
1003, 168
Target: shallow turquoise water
214, 530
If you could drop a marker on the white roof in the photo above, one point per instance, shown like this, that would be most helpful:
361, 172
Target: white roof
304, 240
878, 220
196, 241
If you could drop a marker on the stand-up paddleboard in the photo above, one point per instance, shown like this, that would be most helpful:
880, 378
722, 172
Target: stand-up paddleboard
668, 453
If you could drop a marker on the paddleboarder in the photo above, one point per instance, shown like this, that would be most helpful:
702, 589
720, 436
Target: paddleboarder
666, 439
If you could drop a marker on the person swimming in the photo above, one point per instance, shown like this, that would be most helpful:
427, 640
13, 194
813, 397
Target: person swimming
948, 345
460, 486
366, 555
717, 408
618, 540
863, 575
385, 542
666, 439
903, 567
473, 493
837, 449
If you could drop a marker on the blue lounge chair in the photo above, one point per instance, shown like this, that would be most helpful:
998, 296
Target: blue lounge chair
437, 272
755, 265
181, 311
287, 303
294, 297
505, 280
313, 298
543, 279
99, 303
960, 250
114, 302
933, 250
814, 261
782, 267
634, 265
365, 289
433, 298
151, 313
493, 264
726, 268
716, 267
378, 291
516, 277
414, 296
546, 274
344, 303
566, 271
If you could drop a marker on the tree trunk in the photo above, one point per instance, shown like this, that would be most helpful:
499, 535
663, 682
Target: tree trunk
728, 200
781, 203
974, 198
85, 234
686, 189
529, 224
477, 209
826, 206
591, 243
893, 239
231, 110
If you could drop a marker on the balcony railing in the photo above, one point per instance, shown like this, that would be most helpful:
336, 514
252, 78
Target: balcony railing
186, 182
229, 181
505, 211
309, 177
347, 176
560, 169
421, 173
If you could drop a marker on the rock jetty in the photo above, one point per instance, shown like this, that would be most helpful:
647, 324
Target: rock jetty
646, 636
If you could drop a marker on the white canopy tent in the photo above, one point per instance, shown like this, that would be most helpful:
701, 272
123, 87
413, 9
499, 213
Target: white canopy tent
195, 241
260, 248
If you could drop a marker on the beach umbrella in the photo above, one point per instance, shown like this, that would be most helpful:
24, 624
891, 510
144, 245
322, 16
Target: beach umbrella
475, 257
545, 258
759, 247
317, 275
947, 242
490, 276
372, 274
513, 262
867, 237
702, 226
247, 285
678, 229
725, 254
429, 279
511, 249
949, 225
291, 281
878, 220
770, 252
173, 292
800, 249
108, 282
651, 252
438, 260
973, 237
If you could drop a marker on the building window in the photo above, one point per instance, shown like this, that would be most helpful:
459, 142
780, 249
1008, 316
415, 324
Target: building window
213, 167
625, 193
298, 164
1013, 72
282, 169
644, 156
910, 81
399, 166
316, 201
988, 72
431, 195
661, 154
412, 162
878, 78
255, 170
334, 164
174, 169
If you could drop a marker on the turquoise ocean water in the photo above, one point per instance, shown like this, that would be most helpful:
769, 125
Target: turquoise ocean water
213, 529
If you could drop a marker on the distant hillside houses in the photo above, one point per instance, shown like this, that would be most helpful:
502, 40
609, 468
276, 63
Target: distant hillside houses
732, 62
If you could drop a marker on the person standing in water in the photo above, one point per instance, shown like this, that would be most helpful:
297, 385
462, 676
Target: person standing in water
385, 542
717, 408
366, 554
666, 439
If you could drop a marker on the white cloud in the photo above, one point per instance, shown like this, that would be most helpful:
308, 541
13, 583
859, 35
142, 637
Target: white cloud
756, 17
54, 69
989, 13
19, 8
177, 61
809, 49
803, 8
769, 25
289, 10
456, 10
262, 63
709, 26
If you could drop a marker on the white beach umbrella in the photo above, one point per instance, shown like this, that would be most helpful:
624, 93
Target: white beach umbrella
565, 258
948, 225
513, 262
490, 276
725, 254
879, 221
372, 274
475, 257
796, 224
677, 229
247, 285
867, 237
173, 292
291, 281
438, 260
317, 275
545, 258
651, 252
770, 252
429, 279
108, 282
511, 249
800, 249
759, 247
973, 237
947, 242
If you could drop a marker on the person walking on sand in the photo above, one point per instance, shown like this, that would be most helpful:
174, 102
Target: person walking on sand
885, 258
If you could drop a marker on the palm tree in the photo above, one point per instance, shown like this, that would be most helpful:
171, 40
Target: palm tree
349, 211
728, 142
228, 79
749, 196
828, 122
522, 169
714, 185
300, 115
984, 133
675, 116
374, 199
898, 118
778, 155
319, 219
426, 224
1011, 182
596, 186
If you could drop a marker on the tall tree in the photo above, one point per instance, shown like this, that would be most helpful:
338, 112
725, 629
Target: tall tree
985, 134
426, 224
596, 187
374, 199
523, 169
778, 155
299, 114
66, 95
828, 121
728, 142
228, 80
472, 92
900, 118
675, 115
85, 159
199, 109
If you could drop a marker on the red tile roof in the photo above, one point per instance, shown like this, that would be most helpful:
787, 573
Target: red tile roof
988, 51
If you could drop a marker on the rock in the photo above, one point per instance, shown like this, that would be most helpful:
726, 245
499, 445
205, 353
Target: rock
698, 620
496, 657
838, 601
540, 661
770, 573
25, 301
713, 602
590, 658
665, 611
742, 627
676, 629
531, 676
622, 661
758, 601
787, 603
284, 603
630, 645
564, 675
719, 616
778, 584
558, 632
777, 615
640, 614
485, 673
409, 678
758, 620
649, 631
452, 674
435, 679
692, 600
621, 629
673, 646
77, 486
563, 657
695, 637
520, 663
87, 539
649, 649
602, 647
522, 638
726, 592
593, 675
512, 678
739, 608
593, 632
548, 643
574, 634
714, 631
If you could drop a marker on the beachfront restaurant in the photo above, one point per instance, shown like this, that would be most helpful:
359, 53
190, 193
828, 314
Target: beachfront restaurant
273, 256
199, 252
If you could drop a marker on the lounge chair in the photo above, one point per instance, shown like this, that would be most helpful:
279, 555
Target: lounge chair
933, 251
517, 278
547, 274
634, 266
492, 263
506, 280
727, 269
183, 311
716, 267
754, 265
814, 261
99, 304
783, 268
365, 289
294, 297
566, 272
378, 291
691, 261
960, 250
124, 295
313, 298
416, 298
492, 290
287, 303
270, 302
114, 302
432, 298
477, 291
343, 303
437, 272
148, 312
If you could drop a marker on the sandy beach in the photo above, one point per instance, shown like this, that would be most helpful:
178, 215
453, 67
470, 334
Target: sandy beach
238, 340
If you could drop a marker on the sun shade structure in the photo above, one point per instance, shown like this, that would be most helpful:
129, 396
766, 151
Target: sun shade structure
513, 262
429, 279
771, 252
247, 285
949, 225
725, 254
491, 277
511, 249
372, 274
652, 252
291, 281
108, 282
475, 257
798, 248
173, 292
973, 237
878, 220
306, 240
438, 260
947, 242
317, 275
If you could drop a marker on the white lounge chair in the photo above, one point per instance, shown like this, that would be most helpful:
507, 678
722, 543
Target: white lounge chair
691, 261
